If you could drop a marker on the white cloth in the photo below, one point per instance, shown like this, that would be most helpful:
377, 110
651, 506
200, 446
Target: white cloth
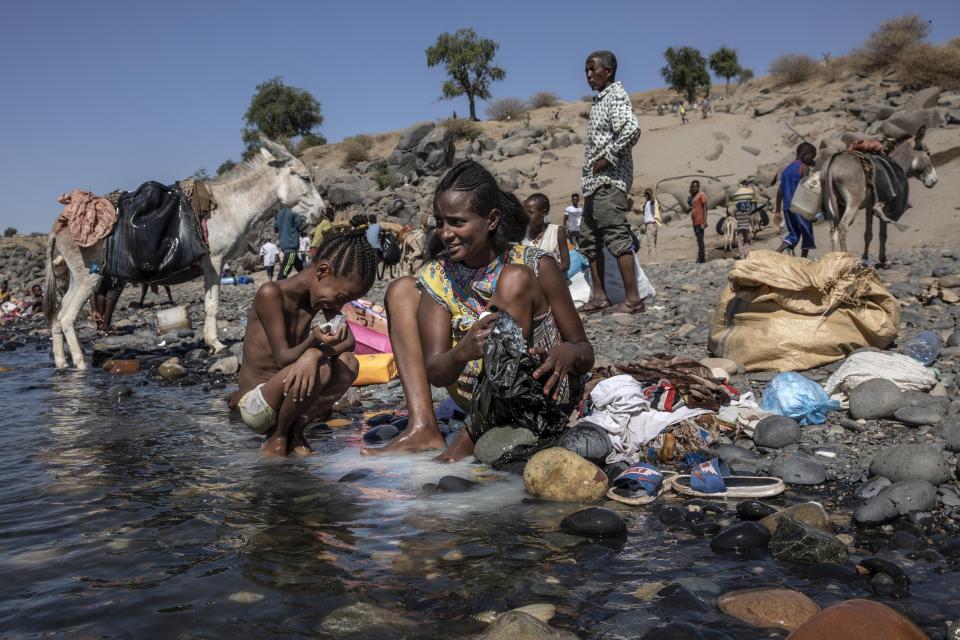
548, 241
269, 252
621, 409
574, 215
304, 244
648, 212
903, 371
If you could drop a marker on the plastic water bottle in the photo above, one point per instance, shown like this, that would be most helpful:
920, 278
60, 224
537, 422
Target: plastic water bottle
923, 347
94, 268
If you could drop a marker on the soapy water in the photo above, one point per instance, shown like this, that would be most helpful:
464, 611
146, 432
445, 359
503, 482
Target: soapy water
154, 515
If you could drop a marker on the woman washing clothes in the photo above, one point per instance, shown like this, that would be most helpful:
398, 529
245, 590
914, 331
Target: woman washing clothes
549, 238
435, 326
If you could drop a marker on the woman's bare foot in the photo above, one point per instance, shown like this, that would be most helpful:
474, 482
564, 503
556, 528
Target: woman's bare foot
461, 448
413, 439
275, 447
300, 447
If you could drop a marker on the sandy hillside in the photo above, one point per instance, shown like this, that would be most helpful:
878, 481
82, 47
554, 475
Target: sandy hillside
715, 147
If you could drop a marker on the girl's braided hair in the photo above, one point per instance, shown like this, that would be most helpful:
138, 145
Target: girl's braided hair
485, 196
348, 253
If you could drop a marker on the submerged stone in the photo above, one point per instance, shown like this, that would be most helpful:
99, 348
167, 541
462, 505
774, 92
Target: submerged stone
455, 484
802, 543
594, 522
741, 536
768, 607
754, 510
563, 476
858, 619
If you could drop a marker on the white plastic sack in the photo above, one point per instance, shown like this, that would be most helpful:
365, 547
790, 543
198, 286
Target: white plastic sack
580, 287
903, 371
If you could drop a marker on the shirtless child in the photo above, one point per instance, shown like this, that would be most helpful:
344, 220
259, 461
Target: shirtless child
292, 373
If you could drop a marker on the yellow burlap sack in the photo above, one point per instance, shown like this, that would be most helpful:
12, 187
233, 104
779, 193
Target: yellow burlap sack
790, 314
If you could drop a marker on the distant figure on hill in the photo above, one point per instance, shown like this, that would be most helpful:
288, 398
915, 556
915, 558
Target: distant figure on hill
744, 202
288, 226
798, 228
612, 131
269, 253
698, 216
572, 216
651, 222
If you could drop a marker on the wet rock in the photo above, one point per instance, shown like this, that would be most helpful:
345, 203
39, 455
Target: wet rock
731, 453
776, 432
799, 469
872, 488
118, 391
949, 430
911, 462
886, 576
171, 369
594, 522
498, 441
517, 625
356, 474
875, 398
811, 513
858, 619
381, 434
802, 543
918, 416
741, 536
766, 607
898, 499
831, 571
563, 476
587, 441
122, 366
455, 484
363, 620
226, 366
705, 529
754, 510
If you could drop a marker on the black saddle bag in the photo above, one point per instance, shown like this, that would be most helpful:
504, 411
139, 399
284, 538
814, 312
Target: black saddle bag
157, 237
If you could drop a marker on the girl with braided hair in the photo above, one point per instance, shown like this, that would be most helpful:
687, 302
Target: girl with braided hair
293, 372
478, 266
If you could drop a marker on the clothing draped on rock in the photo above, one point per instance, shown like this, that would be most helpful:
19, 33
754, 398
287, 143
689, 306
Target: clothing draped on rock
465, 292
506, 393
623, 410
695, 382
88, 217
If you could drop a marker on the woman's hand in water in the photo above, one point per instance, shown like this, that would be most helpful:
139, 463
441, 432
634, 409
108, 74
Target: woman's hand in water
302, 376
557, 363
470, 346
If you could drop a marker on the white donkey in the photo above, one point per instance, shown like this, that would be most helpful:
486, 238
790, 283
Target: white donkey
244, 196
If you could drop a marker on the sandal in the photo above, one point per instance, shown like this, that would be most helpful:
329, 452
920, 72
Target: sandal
639, 485
713, 479
626, 307
593, 307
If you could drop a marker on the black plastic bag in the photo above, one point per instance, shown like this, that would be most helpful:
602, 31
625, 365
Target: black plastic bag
506, 393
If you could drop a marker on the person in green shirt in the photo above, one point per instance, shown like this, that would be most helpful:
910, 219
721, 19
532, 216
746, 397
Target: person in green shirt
323, 227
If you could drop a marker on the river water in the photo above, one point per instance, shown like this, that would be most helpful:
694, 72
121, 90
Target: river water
154, 516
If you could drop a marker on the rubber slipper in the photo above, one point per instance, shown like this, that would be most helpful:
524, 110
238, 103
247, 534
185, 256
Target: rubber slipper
593, 307
625, 307
640, 484
734, 487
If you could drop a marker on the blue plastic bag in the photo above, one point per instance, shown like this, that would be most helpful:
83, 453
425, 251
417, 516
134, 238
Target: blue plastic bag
791, 394
578, 263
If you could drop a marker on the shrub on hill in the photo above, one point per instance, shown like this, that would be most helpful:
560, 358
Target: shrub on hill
792, 68
9, 232
924, 65
461, 128
356, 149
543, 99
885, 45
506, 109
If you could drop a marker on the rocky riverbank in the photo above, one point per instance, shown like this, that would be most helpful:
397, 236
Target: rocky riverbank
884, 479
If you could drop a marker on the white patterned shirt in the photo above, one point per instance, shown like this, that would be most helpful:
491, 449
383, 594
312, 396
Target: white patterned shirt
612, 130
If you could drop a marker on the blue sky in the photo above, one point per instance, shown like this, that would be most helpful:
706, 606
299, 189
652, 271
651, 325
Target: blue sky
104, 95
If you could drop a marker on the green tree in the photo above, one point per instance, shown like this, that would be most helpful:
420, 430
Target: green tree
9, 232
200, 174
469, 62
280, 112
685, 71
225, 166
724, 64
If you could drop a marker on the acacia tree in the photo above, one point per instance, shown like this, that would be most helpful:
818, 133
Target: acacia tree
724, 64
685, 71
280, 112
469, 62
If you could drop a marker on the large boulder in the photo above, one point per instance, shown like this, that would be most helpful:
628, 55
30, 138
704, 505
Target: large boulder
499, 441
525, 132
412, 135
518, 625
858, 619
352, 193
911, 462
895, 500
562, 476
796, 541
924, 99
512, 147
435, 152
875, 398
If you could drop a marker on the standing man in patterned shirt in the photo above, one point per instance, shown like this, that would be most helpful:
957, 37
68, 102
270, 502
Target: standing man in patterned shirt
607, 176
